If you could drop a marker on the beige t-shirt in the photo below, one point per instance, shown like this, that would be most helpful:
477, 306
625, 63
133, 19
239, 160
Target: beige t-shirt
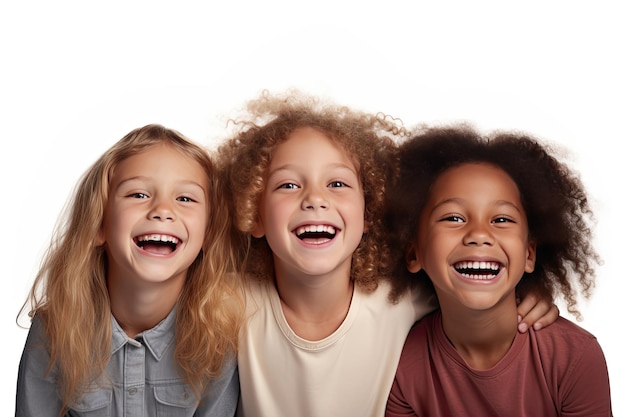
349, 373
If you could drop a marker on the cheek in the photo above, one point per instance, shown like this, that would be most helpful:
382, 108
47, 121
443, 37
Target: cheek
201, 225
277, 210
357, 209
119, 220
434, 247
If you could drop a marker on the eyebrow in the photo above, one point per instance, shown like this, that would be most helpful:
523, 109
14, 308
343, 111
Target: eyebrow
146, 179
288, 167
460, 200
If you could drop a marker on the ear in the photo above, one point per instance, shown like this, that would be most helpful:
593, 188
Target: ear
100, 237
258, 230
531, 256
412, 259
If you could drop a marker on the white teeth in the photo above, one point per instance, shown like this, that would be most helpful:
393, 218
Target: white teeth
157, 237
477, 265
312, 228
470, 266
478, 277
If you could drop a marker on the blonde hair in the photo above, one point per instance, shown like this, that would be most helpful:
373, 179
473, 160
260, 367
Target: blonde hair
368, 139
70, 295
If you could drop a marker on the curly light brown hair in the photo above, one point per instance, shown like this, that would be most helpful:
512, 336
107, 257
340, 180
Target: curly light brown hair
368, 139
553, 196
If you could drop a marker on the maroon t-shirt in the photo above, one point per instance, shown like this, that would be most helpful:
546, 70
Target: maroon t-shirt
557, 371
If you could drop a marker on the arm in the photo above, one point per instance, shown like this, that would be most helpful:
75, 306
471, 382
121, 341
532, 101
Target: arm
536, 312
223, 393
585, 391
396, 404
411, 375
36, 389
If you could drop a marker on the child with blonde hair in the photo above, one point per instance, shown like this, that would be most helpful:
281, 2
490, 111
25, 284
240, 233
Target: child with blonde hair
135, 309
307, 181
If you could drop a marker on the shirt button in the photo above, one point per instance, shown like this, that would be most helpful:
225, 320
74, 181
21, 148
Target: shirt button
132, 391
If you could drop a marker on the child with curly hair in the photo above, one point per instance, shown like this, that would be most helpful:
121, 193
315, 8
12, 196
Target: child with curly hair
135, 308
325, 326
482, 220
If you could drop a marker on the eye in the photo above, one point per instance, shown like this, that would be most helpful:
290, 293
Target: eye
453, 218
185, 199
337, 184
288, 186
503, 219
138, 195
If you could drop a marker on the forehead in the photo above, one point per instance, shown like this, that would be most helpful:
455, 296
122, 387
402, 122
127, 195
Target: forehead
306, 143
475, 179
163, 161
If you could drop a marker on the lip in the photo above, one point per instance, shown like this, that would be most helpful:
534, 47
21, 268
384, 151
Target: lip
479, 270
157, 243
315, 233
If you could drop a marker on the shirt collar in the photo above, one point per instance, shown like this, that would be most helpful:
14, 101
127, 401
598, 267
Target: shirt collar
156, 339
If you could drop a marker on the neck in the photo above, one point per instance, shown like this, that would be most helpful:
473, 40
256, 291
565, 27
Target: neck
315, 307
482, 338
138, 308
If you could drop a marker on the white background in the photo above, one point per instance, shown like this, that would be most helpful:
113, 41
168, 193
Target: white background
76, 76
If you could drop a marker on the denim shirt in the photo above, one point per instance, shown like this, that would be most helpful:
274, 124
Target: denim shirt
141, 379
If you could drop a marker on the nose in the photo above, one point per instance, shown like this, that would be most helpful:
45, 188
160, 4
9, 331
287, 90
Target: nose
478, 235
314, 200
161, 211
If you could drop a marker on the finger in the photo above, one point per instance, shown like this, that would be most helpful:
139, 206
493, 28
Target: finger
527, 304
541, 315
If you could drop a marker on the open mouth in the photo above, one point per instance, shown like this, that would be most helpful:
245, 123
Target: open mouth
158, 244
316, 233
478, 270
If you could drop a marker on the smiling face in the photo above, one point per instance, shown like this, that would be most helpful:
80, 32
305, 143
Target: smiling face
156, 216
312, 209
473, 237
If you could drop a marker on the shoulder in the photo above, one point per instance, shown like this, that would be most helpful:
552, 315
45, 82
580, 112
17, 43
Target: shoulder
37, 337
259, 298
563, 331
229, 368
421, 330
378, 300
405, 310
256, 290
35, 356
574, 364
416, 347
567, 343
